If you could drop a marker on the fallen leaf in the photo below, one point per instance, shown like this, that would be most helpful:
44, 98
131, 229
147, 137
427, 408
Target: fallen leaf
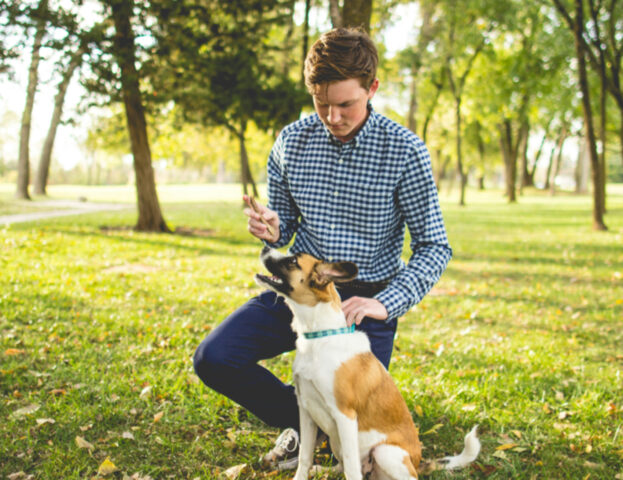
82, 443
158, 416
517, 433
43, 421
434, 429
418, 410
145, 392
468, 408
234, 472
501, 454
9, 352
506, 446
20, 412
127, 435
107, 467
20, 476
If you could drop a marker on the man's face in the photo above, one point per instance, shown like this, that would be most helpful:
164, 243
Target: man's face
343, 106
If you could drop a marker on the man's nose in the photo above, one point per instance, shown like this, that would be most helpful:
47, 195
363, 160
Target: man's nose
334, 115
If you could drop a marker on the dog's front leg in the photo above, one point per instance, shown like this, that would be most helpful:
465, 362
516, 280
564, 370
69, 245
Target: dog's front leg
348, 432
309, 431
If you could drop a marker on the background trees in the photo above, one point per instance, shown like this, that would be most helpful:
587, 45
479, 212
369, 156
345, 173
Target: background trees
496, 89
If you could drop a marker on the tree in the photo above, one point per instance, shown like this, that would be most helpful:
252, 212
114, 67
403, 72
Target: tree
40, 17
216, 65
41, 178
576, 24
150, 217
353, 13
464, 41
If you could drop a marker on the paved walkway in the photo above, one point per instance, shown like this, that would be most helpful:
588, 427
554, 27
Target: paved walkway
61, 208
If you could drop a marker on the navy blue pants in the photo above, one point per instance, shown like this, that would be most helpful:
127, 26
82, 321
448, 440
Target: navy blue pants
227, 360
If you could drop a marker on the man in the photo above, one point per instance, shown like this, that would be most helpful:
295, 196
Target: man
344, 183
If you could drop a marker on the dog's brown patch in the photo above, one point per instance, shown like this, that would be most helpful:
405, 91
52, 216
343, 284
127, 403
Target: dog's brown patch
365, 391
310, 285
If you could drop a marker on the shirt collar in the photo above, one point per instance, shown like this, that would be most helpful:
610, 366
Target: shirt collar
367, 127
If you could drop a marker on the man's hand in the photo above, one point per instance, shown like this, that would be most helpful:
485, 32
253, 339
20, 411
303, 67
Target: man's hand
356, 308
255, 225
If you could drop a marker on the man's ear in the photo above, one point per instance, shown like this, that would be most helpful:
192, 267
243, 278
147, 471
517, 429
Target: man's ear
338, 272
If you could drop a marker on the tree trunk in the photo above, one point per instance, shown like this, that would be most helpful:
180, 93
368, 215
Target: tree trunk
245, 171
23, 165
510, 159
557, 160
41, 178
459, 153
150, 217
357, 13
598, 181
335, 13
577, 26
523, 152
305, 40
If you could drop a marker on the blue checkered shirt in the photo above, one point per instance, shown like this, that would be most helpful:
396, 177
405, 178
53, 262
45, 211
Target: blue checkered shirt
351, 201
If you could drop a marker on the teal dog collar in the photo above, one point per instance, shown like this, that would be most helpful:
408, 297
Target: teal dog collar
328, 333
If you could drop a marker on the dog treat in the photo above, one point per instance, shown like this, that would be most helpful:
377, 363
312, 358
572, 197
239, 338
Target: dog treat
256, 209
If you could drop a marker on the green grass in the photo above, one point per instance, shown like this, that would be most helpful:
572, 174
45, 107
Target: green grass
522, 336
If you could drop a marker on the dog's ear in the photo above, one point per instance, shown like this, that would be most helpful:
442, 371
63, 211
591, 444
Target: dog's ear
338, 272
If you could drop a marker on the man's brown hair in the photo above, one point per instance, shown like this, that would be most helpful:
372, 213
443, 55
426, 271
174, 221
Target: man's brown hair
341, 54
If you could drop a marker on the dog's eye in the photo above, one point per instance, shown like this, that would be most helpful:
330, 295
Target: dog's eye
293, 262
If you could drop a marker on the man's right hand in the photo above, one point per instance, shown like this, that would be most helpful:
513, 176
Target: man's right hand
255, 225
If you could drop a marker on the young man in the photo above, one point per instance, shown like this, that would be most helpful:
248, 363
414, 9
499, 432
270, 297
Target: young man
344, 183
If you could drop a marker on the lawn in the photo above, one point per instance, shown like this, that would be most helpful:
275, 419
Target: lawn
522, 336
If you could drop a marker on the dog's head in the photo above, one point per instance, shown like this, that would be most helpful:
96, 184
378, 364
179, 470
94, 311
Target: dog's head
303, 278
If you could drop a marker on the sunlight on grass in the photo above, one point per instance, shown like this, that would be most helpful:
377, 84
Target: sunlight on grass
522, 336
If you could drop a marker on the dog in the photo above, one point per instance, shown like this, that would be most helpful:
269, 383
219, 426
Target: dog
341, 387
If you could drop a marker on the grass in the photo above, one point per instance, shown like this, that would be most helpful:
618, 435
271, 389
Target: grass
522, 336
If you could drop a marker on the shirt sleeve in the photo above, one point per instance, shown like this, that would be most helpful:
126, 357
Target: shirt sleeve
430, 251
279, 197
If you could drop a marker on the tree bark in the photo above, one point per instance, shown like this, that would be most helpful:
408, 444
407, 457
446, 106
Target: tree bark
41, 178
577, 27
150, 217
23, 165
335, 13
510, 159
357, 13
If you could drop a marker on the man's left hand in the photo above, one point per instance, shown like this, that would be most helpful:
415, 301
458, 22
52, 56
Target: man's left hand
356, 308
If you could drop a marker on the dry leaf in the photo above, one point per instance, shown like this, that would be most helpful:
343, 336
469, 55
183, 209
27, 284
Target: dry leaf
158, 416
127, 435
234, 472
9, 352
145, 392
419, 411
20, 412
434, 429
506, 446
517, 433
43, 421
107, 467
82, 443
20, 476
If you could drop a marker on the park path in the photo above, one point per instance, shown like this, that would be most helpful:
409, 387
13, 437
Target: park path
61, 208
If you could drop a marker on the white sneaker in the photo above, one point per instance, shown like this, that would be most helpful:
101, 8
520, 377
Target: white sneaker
285, 454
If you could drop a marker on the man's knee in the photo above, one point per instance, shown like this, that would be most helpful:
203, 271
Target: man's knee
207, 361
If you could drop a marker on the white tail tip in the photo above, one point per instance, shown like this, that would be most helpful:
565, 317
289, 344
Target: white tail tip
467, 456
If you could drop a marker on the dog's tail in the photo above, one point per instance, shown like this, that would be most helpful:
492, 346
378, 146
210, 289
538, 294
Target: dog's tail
467, 456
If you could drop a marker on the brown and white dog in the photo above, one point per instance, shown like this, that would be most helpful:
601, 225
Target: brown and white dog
341, 386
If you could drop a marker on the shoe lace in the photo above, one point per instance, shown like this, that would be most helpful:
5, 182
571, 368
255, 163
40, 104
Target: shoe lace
288, 440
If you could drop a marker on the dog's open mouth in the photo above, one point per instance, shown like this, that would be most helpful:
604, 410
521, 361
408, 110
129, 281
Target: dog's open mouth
270, 280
